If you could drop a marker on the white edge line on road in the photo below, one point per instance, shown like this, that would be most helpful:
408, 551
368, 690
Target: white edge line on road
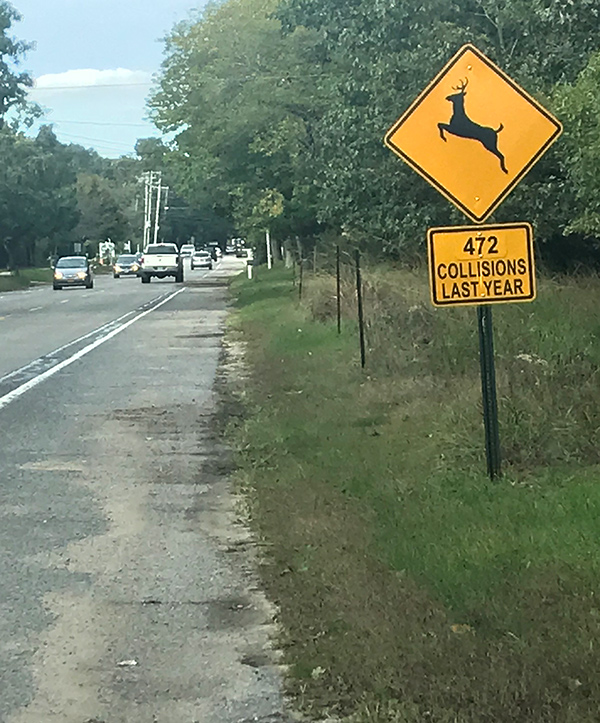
79, 339
19, 391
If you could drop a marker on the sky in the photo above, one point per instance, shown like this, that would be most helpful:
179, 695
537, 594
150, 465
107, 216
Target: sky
93, 65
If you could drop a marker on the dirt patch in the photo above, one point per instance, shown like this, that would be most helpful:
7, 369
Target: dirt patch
208, 284
206, 335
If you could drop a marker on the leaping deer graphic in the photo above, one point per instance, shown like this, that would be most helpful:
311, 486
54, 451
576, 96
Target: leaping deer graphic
461, 125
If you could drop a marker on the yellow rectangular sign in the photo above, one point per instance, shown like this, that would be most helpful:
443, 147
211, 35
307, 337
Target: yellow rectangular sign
481, 264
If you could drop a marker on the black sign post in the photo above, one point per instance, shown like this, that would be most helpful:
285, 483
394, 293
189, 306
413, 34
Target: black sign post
338, 293
523, 130
361, 318
488, 389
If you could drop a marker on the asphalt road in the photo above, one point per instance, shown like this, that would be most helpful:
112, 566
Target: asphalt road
127, 591
38, 321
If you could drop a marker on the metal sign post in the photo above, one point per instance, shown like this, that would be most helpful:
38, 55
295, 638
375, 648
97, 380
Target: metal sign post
338, 286
483, 265
361, 318
473, 134
488, 389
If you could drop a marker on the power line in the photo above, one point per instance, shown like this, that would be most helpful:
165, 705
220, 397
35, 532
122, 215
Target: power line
89, 87
106, 143
116, 144
254, 76
100, 123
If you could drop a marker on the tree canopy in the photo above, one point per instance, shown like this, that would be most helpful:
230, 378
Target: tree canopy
279, 109
276, 111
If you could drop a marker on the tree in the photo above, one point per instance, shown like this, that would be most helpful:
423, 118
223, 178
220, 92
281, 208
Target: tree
380, 55
291, 100
32, 176
13, 84
101, 216
242, 99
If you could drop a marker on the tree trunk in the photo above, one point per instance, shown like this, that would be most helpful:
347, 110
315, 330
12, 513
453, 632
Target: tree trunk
299, 248
289, 258
275, 252
9, 254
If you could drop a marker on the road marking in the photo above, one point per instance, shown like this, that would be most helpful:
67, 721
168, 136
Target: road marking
19, 391
65, 301
79, 339
36, 308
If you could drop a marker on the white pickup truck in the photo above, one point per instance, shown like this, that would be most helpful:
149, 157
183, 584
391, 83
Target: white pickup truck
161, 260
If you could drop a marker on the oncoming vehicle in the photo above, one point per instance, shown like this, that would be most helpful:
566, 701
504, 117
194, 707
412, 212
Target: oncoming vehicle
187, 250
72, 271
160, 261
126, 265
202, 260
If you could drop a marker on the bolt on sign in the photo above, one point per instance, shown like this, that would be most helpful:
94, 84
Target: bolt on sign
481, 264
473, 133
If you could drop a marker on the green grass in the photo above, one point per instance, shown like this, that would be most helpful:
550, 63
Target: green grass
24, 278
411, 587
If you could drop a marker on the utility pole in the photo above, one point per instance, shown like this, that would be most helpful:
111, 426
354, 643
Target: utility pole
146, 204
157, 218
152, 206
149, 186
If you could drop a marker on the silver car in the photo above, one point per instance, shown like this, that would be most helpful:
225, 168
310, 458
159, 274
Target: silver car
72, 271
202, 260
187, 250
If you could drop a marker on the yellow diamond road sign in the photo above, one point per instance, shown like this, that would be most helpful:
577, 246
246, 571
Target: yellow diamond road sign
481, 264
473, 133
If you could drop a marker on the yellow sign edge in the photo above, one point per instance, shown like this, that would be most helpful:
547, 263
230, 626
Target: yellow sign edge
419, 99
479, 228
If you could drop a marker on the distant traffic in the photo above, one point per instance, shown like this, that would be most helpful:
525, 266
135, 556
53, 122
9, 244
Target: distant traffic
159, 260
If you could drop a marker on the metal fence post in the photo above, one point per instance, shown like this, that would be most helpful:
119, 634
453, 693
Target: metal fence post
338, 285
361, 321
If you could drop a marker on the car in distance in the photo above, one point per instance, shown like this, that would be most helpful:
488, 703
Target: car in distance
202, 260
160, 261
187, 250
72, 271
126, 265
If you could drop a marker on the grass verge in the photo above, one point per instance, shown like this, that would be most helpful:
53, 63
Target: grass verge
410, 587
25, 278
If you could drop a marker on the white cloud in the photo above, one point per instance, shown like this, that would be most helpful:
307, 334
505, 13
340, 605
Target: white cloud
90, 77
102, 109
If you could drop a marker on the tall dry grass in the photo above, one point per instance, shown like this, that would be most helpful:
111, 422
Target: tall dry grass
547, 358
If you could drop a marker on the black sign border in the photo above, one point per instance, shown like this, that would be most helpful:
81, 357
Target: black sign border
478, 230
422, 172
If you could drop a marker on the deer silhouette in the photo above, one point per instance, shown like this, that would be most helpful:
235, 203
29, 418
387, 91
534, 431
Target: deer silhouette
461, 125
